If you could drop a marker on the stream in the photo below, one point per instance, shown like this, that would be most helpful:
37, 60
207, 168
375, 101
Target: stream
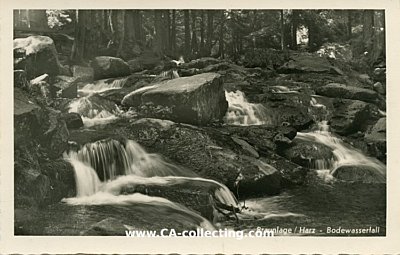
106, 170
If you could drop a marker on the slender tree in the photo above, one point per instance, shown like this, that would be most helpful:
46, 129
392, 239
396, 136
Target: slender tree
210, 31
187, 32
194, 34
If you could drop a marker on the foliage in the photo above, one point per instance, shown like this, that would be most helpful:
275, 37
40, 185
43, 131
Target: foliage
58, 18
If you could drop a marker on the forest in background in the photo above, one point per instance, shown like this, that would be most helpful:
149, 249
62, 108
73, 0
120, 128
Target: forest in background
248, 37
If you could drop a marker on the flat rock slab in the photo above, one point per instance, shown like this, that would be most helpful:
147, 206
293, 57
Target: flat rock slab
309, 64
338, 90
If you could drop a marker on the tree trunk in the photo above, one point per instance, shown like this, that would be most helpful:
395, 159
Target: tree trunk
368, 29
187, 32
282, 32
294, 28
221, 52
120, 31
194, 35
173, 32
202, 34
158, 32
77, 53
210, 30
349, 23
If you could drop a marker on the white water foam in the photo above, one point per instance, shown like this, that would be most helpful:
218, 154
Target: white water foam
241, 112
344, 153
103, 85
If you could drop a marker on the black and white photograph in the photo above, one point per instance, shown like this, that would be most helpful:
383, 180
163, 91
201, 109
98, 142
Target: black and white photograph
249, 123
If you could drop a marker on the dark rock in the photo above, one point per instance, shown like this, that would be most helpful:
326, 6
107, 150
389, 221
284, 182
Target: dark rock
20, 80
359, 173
379, 74
376, 138
351, 116
64, 86
198, 99
147, 60
309, 154
210, 153
107, 227
309, 64
26, 117
200, 63
200, 195
188, 72
109, 67
54, 133
337, 90
39, 180
36, 55
82, 73
73, 120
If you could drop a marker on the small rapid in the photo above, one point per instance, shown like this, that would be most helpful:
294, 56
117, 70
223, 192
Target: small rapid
241, 112
344, 153
108, 172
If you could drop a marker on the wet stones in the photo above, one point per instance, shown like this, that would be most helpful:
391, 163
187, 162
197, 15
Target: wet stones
109, 67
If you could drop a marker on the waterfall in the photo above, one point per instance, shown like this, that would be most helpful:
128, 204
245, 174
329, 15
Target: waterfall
241, 112
109, 159
106, 169
344, 154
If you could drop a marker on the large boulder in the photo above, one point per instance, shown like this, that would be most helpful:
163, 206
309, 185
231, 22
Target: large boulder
337, 90
309, 64
198, 99
310, 154
37, 55
375, 138
203, 196
359, 173
26, 117
109, 67
351, 116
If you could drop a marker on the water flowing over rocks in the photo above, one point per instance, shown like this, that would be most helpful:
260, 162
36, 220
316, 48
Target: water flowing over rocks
310, 154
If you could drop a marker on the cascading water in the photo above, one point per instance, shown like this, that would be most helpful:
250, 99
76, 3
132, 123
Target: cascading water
103, 85
94, 112
109, 159
128, 165
344, 154
241, 112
